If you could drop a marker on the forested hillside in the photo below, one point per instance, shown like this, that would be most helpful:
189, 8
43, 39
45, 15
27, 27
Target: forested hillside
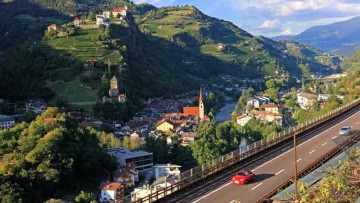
50, 157
352, 62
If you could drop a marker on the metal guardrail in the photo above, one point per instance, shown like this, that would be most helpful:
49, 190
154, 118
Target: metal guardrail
200, 172
333, 152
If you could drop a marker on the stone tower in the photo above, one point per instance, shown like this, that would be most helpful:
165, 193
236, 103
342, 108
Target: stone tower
113, 91
201, 106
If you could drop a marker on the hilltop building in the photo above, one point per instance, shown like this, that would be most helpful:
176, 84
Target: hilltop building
77, 21
113, 91
102, 20
118, 11
53, 27
122, 98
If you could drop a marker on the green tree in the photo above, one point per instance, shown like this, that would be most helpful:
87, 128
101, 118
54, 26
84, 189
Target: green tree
85, 197
207, 145
53, 156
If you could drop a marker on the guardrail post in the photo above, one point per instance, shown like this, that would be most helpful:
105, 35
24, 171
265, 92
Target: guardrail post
262, 142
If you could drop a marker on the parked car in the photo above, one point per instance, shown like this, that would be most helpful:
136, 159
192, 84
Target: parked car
345, 130
243, 177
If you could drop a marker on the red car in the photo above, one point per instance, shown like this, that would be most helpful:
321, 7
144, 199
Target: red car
243, 177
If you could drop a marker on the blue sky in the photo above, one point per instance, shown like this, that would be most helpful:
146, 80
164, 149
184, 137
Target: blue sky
272, 17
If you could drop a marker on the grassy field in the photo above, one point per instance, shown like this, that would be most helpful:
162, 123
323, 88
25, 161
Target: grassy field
75, 92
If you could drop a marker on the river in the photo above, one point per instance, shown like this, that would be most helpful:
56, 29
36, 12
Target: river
224, 113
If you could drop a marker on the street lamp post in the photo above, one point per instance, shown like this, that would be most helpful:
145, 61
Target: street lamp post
295, 170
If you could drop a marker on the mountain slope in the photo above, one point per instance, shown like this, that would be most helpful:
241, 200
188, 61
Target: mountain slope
339, 38
243, 53
163, 51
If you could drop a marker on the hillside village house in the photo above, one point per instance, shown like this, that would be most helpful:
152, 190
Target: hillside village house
53, 27
273, 108
306, 100
127, 175
265, 116
187, 138
77, 21
243, 119
111, 191
118, 11
6, 122
164, 126
122, 98
101, 20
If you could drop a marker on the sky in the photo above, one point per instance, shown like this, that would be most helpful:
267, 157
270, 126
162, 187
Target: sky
272, 17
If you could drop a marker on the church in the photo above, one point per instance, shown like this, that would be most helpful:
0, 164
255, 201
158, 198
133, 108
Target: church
198, 111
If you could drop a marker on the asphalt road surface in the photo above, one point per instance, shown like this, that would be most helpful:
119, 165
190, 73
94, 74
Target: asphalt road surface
279, 169
274, 169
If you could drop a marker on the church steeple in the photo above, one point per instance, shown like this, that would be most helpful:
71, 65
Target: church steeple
201, 106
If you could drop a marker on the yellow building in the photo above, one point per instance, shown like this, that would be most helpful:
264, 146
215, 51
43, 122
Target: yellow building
273, 108
164, 126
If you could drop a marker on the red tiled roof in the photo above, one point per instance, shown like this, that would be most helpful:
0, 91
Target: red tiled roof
76, 18
271, 105
119, 10
111, 186
241, 116
191, 110
161, 122
256, 112
52, 26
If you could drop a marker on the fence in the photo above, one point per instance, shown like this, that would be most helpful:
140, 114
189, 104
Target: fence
200, 172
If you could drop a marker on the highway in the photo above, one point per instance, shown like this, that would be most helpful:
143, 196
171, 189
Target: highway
271, 169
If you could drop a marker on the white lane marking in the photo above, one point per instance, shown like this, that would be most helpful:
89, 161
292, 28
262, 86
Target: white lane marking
312, 151
328, 129
279, 172
334, 137
256, 186
357, 123
232, 201
324, 144
276, 157
297, 160
212, 192
305, 142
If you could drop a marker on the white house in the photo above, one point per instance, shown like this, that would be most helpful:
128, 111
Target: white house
243, 119
254, 102
187, 137
6, 122
102, 20
306, 100
111, 191
162, 170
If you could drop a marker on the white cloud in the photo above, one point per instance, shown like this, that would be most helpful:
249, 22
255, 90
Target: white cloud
287, 32
270, 24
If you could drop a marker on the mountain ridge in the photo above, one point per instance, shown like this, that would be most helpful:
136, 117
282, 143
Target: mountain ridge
338, 38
